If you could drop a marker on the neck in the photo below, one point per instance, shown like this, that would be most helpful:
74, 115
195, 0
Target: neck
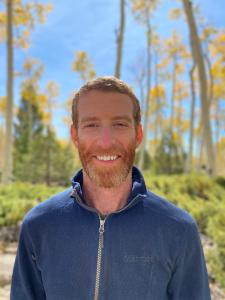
106, 200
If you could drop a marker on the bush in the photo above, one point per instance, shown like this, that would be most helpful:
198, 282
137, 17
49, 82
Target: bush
147, 159
169, 157
216, 230
17, 199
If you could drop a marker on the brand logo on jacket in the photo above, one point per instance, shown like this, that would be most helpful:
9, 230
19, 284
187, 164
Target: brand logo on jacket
138, 259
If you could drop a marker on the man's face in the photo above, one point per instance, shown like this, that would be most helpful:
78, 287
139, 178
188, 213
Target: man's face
106, 137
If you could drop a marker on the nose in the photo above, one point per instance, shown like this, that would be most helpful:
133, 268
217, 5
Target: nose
105, 137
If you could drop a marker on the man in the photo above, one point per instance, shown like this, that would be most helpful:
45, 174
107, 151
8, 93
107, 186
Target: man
108, 237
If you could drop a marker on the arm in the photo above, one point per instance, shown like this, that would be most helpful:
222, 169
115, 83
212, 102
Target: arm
26, 279
190, 279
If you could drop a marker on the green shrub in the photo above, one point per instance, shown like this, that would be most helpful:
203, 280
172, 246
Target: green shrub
18, 198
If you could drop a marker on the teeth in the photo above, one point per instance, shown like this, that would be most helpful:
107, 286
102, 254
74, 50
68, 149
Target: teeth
106, 157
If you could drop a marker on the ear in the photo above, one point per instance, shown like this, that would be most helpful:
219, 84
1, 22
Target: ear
74, 135
139, 134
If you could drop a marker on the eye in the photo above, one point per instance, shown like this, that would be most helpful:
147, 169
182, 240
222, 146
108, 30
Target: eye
91, 125
120, 124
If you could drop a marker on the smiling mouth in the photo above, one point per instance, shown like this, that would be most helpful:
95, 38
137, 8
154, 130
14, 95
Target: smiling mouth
107, 158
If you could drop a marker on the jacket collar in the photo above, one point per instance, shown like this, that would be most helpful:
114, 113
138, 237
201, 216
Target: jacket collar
138, 188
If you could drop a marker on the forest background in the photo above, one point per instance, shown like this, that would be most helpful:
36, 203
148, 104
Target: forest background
173, 55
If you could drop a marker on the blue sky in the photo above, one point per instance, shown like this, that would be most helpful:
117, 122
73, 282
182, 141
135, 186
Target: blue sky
90, 25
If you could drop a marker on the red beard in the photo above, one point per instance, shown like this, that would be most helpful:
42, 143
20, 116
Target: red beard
108, 175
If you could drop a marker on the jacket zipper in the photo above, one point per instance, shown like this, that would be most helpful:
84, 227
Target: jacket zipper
99, 256
100, 237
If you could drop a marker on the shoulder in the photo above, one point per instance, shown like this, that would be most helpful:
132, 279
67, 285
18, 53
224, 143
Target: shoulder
175, 223
50, 207
167, 211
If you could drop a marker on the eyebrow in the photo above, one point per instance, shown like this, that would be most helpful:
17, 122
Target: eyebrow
122, 117
89, 119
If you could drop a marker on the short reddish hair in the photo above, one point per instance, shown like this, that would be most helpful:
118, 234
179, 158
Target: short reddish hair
106, 84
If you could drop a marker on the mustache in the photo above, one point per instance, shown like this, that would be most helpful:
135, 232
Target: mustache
108, 152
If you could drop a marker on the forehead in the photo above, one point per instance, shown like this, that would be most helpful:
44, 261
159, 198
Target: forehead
104, 104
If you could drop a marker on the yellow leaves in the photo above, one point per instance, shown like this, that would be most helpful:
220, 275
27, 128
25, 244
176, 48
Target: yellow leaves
155, 40
22, 43
46, 117
158, 92
222, 143
142, 5
181, 91
2, 18
2, 26
138, 5
185, 125
52, 89
179, 68
3, 105
142, 9
217, 47
175, 47
163, 63
32, 69
25, 17
208, 32
42, 11
29, 64
27, 14
175, 137
83, 66
175, 13
28, 93
81, 62
219, 91
42, 99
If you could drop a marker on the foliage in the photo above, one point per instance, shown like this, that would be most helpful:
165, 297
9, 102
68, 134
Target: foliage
18, 198
216, 230
38, 155
147, 159
83, 66
169, 156
25, 17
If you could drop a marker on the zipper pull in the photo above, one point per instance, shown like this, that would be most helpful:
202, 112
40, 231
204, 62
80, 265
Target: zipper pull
101, 232
101, 227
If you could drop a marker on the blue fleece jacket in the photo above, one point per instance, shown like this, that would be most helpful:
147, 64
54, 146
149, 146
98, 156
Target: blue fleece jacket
150, 249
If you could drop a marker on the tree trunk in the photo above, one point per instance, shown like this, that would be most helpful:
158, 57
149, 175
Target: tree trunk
174, 82
217, 130
30, 117
7, 167
49, 144
158, 119
2, 140
179, 114
146, 113
211, 80
189, 163
48, 160
120, 39
199, 60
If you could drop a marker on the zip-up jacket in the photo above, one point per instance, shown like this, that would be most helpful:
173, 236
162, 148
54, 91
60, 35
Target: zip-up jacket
148, 250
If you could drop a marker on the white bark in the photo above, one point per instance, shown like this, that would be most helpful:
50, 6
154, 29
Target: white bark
7, 164
197, 55
146, 114
120, 38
